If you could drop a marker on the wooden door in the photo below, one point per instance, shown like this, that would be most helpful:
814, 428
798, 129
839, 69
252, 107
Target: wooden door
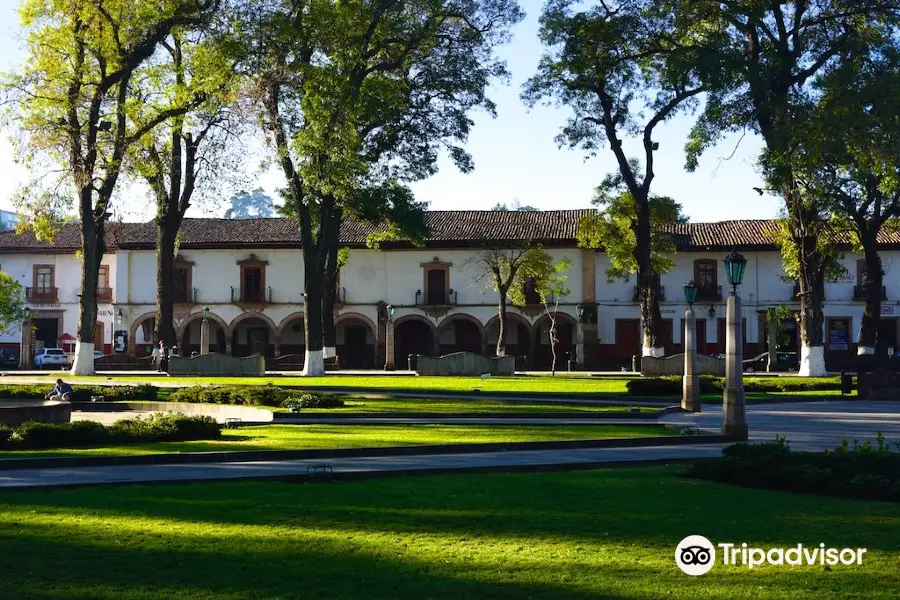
98, 337
355, 346
437, 287
628, 340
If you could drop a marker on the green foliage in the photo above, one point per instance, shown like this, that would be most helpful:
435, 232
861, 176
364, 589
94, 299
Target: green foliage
672, 385
155, 428
864, 471
83, 393
548, 277
314, 400
613, 229
12, 304
515, 206
826, 250
263, 395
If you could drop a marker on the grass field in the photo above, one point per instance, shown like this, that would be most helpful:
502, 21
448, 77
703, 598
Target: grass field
304, 437
573, 536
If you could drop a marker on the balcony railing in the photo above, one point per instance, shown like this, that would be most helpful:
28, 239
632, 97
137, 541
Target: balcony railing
104, 294
448, 299
186, 296
255, 297
861, 292
42, 294
710, 292
636, 297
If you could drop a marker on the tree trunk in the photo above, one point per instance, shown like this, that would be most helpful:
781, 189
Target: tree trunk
651, 318
501, 323
868, 334
812, 319
92, 248
329, 289
166, 233
772, 327
313, 281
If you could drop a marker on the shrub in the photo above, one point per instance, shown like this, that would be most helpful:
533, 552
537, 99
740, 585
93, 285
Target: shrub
861, 471
709, 384
83, 393
156, 428
261, 395
314, 400
6, 433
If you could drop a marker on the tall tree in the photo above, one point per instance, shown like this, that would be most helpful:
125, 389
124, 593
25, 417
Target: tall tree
615, 68
189, 154
71, 105
501, 266
13, 310
850, 157
358, 94
761, 62
612, 228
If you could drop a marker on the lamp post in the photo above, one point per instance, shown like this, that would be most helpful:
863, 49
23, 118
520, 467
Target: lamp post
25, 346
734, 418
690, 399
389, 338
204, 332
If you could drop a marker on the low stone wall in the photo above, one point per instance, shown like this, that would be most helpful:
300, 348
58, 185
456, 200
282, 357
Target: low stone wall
123, 362
16, 412
219, 412
217, 364
465, 363
674, 365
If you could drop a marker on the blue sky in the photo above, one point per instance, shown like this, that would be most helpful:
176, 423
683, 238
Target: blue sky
515, 154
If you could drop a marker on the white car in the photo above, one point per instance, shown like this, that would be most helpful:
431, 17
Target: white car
51, 357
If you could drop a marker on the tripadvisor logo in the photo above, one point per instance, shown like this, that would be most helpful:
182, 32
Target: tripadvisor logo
696, 555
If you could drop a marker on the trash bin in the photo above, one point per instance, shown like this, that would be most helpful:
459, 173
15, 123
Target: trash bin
846, 383
413, 362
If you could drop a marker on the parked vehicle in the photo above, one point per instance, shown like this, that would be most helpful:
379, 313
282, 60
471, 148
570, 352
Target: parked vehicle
51, 357
784, 361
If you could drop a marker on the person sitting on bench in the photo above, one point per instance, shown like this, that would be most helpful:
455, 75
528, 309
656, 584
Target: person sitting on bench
63, 391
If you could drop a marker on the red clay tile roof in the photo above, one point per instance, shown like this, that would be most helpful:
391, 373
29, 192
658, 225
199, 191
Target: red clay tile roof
448, 229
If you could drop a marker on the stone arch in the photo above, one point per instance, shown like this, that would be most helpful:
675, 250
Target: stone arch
254, 315
198, 316
190, 344
359, 317
252, 342
468, 334
356, 341
413, 334
279, 331
132, 332
515, 322
566, 328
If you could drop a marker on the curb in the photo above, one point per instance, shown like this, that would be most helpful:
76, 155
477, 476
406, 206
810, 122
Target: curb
281, 455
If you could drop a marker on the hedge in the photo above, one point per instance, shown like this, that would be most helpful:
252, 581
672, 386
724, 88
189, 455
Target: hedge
261, 395
672, 385
156, 428
314, 400
863, 471
82, 393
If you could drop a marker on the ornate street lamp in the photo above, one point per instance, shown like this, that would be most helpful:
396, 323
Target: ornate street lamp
579, 310
205, 313
390, 311
734, 419
690, 292
735, 264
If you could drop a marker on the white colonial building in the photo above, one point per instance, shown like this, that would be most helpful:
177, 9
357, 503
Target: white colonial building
249, 274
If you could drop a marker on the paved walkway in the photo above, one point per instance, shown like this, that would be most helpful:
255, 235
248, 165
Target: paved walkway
813, 426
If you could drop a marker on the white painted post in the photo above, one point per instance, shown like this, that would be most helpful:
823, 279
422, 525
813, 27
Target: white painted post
690, 400
734, 418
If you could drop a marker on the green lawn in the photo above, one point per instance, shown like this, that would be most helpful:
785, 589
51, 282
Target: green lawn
573, 536
302, 437
412, 405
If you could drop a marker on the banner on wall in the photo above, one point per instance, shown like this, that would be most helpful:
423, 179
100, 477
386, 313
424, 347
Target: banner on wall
839, 334
120, 341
